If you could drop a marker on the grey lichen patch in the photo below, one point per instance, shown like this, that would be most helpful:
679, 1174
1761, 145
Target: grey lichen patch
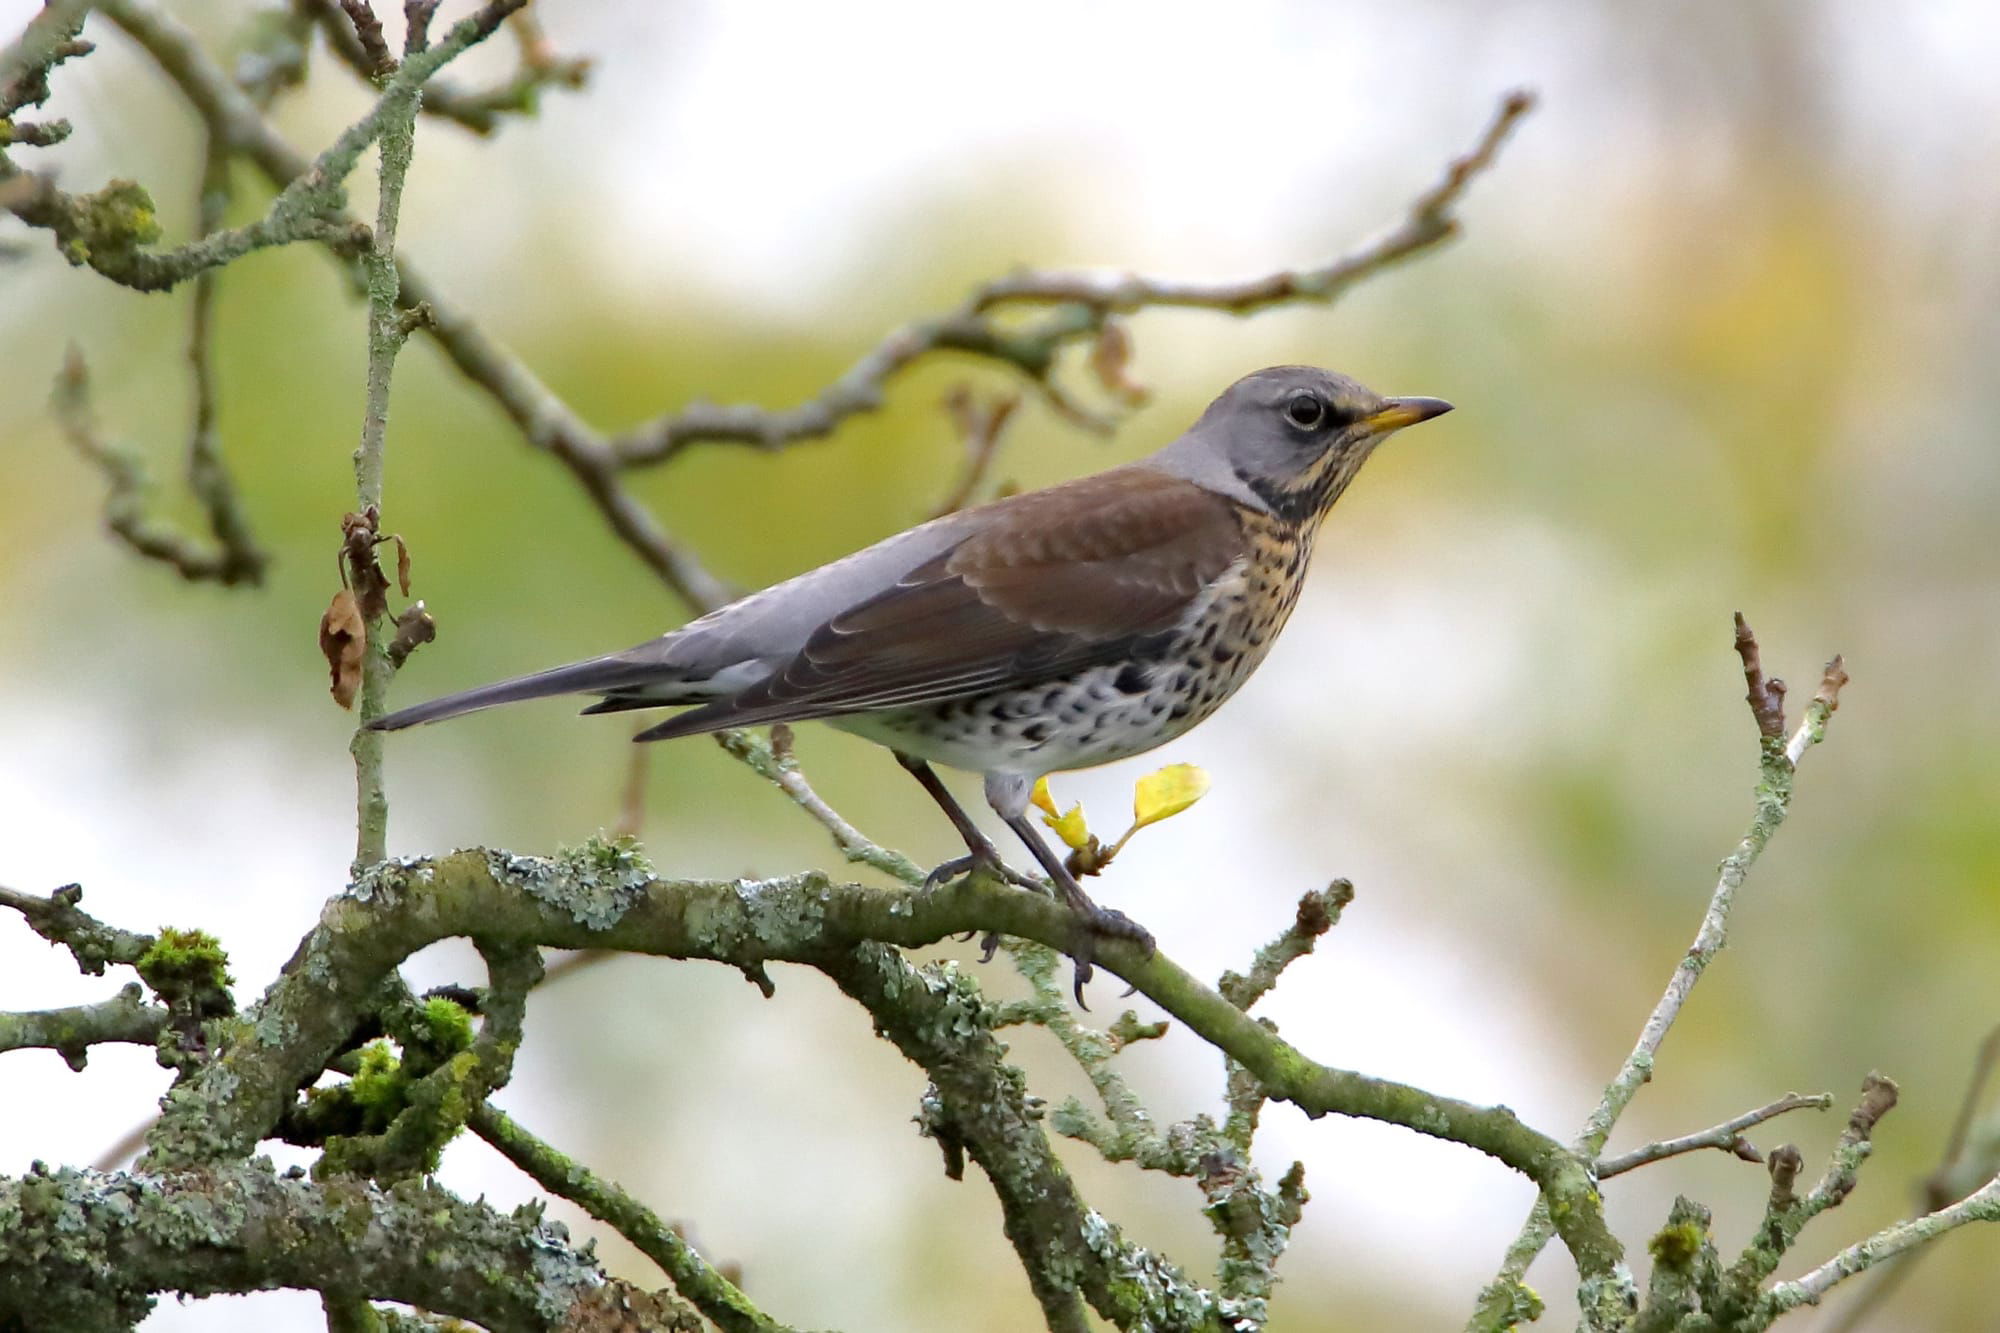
594, 884
780, 916
964, 1012
387, 882
1153, 1294
82, 1246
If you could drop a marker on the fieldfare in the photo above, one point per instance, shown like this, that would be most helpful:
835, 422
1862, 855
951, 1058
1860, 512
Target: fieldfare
1052, 630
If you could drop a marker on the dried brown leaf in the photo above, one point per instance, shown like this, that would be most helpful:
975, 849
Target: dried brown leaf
343, 639
1111, 360
414, 628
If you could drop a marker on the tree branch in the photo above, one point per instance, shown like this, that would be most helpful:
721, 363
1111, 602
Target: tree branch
1982, 1205
1079, 305
72, 1031
102, 1244
1727, 1136
1778, 760
480, 111
602, 897
59, 920
715, 1295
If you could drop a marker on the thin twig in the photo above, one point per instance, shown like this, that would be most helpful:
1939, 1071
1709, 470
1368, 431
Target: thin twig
481, 111
981, 424
1982, 1205
208, 477
1777, 761
1080, 305
40, 46
715, 1295
1767, 693
128, 490
1727, 1136
774, 762
1947, 1183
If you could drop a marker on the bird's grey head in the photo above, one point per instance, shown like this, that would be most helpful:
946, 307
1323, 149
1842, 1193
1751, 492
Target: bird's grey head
1290, 438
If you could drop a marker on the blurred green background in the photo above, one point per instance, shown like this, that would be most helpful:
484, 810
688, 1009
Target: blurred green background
1722, 334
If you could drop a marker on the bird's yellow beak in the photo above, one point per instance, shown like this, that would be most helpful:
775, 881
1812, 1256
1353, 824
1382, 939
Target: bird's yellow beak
1396, 413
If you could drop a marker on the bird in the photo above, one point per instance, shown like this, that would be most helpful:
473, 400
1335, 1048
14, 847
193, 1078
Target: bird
1045, 631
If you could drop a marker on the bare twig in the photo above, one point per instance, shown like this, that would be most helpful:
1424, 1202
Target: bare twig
481, 111
1318, 912
392, 125
715, 1295
981, 424
773, 761
72, 1031
1982, 1205
544, 420
1824, 701
1966, 1161
1767, 694
233, 559
1728, 1136
1777, 762
375, 60
1079, 306
208, 477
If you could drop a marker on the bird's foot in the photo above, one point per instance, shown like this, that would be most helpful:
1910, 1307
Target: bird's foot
1102, 923
947, 871
971, 863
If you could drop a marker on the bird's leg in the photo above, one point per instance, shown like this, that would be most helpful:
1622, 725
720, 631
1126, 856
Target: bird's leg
1008, 797
979, 849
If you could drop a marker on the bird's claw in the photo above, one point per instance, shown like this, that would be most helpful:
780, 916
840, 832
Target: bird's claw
1103, 923
946, 871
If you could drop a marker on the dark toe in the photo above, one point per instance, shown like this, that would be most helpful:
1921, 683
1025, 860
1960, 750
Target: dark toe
1112, 924
1084, 971
947, 871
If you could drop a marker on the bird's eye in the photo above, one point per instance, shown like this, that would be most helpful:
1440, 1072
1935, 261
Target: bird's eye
1306, 411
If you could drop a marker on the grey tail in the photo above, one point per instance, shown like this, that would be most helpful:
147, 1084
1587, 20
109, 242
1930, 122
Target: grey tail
588, 677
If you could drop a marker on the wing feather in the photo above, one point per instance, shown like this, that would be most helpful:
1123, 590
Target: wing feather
1046, 584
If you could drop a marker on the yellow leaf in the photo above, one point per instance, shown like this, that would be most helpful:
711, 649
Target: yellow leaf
1166, 793
1041, 799
1069, 826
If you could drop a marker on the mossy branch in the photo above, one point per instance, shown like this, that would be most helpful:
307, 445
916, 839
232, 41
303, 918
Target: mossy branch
397, 908
103, 1244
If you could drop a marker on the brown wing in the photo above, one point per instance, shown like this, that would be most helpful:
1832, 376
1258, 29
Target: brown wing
1044, 584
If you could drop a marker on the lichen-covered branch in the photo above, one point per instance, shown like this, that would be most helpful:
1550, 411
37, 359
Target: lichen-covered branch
102, 1245
1727, 1136
1982, 1205
25, 61
773, 761
94, 944
478, 110
110, 230
602, 897
1501, 1300
73, 1030
713, 1294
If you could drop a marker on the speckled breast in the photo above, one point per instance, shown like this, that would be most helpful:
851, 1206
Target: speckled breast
1117, 709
